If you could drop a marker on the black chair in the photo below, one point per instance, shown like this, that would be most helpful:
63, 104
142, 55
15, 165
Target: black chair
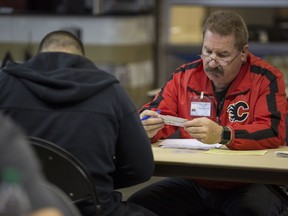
66, 172
67, 207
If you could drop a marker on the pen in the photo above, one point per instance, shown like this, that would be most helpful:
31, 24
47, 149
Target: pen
147, 117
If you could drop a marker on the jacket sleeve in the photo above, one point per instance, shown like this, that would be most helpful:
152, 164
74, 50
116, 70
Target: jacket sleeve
167, 101
134, 162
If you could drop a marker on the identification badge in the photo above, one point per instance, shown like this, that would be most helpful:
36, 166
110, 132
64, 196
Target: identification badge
201, 106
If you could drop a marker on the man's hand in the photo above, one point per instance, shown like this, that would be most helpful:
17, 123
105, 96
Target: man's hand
151, 123
203, 129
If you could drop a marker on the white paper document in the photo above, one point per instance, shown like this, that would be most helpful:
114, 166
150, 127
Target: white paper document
187, 143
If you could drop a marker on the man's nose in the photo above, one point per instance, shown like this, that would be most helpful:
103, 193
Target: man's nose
213, 63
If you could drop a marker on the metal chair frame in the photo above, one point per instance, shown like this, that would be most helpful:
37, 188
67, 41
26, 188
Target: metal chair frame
65, 171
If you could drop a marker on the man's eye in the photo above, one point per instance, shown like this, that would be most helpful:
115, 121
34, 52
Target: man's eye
222, 56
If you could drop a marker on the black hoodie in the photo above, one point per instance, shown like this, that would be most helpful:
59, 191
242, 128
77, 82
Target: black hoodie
66, 99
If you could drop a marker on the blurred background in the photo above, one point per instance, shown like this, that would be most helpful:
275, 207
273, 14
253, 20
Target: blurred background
141, 42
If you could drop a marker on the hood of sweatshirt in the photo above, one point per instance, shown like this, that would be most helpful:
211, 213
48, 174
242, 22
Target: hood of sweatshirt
58, 78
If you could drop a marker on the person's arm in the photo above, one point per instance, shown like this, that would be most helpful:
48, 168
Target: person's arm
134, 157
166, 101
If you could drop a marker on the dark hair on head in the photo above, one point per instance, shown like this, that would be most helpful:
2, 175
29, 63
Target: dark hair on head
61, 41
226, 23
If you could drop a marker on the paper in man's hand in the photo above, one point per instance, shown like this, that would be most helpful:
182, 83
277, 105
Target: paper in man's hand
172, 120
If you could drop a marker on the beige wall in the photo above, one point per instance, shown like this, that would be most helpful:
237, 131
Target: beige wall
121, 45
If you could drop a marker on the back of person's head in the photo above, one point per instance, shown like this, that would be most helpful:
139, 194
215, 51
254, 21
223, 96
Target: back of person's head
226, 23
61, 41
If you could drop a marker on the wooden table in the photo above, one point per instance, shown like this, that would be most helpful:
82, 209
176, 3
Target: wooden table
266, 169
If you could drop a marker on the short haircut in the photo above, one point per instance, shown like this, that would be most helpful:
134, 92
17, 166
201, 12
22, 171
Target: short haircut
226, 23
61, 41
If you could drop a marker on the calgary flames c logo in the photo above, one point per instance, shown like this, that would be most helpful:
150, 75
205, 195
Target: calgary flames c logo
238, 112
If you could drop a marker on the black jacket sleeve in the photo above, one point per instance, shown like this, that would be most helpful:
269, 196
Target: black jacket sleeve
134, 161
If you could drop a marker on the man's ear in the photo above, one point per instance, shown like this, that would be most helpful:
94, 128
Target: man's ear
244, 53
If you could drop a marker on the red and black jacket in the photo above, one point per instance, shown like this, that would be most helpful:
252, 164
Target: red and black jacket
254, 106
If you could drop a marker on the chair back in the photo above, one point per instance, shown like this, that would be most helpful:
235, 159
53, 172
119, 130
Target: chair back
66, 172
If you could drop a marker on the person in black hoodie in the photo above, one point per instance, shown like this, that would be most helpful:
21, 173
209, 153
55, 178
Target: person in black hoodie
61, 96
